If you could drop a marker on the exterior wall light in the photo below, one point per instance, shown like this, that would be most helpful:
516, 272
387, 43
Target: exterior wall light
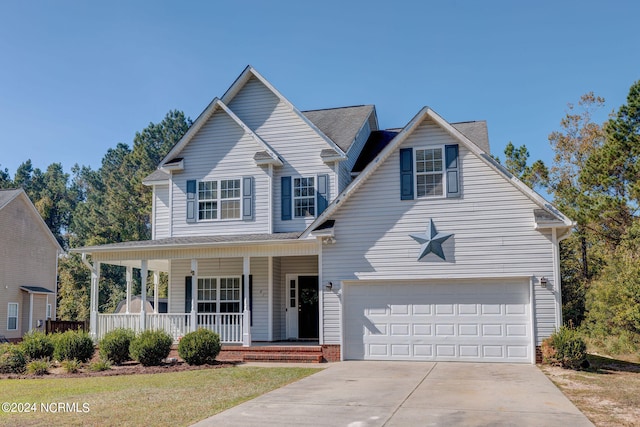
544, 282
329, 286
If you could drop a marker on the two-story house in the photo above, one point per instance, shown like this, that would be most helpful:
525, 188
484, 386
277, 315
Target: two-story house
28, 266
413, 244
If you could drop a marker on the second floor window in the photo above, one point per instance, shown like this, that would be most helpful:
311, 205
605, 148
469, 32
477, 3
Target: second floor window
219, 199
304, 197
429, 172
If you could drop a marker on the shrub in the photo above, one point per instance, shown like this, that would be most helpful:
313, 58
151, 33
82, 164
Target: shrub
12, 359
37, 345
100, 365
565, 348
199, 347
72, 366
73, 345
150, 347
115, 345
38, 367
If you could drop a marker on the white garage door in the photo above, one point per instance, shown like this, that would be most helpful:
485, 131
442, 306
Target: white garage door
479, 322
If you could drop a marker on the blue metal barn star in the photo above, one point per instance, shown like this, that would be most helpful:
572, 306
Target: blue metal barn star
431, 241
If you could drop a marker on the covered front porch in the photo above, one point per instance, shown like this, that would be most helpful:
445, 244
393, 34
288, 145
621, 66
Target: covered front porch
262, 292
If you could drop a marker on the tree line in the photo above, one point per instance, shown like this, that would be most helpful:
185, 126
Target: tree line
94, 207
595, 180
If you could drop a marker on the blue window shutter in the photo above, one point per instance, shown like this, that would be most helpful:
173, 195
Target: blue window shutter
247, 198
187, 294
453, 170
406, 174
286, 197
323, 193
191, 200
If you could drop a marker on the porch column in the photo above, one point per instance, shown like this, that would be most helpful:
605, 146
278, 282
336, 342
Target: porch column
129, 277
156, 280
95, 279
144, 272
194, 294
30, 311
246, 314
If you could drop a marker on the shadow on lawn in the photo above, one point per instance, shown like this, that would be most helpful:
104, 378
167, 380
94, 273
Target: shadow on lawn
606, 365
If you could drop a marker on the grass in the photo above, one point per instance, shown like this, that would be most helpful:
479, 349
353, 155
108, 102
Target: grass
170, 399
608, 392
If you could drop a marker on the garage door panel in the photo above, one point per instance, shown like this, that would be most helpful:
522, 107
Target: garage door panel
427, 322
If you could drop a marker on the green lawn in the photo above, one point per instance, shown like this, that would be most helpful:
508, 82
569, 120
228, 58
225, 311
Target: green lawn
168, 399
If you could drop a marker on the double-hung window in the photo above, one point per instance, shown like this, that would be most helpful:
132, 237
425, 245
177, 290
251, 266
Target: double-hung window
219, 295
430, 172
304, 197
219, 199
12, 316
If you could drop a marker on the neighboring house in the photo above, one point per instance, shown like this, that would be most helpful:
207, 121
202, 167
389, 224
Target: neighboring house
411, 244
28, 266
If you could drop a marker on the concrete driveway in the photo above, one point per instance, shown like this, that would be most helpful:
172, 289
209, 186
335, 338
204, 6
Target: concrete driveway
359, 394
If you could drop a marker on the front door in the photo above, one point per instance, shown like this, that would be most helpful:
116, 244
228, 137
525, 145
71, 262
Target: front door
302, 307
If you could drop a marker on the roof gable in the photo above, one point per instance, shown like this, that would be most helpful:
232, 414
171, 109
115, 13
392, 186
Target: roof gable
9, 196
250, 72
216, 105
394, 144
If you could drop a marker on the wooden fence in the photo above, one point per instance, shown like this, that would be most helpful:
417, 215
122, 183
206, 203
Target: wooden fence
54, 326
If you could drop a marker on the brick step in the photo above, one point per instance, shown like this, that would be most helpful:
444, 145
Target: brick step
308, 354
283, 357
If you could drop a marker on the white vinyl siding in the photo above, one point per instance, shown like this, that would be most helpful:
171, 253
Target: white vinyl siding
492, 226
221, 150
161, 212
12, 316
297, 144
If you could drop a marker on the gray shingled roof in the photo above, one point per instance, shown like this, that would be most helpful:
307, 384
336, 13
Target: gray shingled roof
340, 124
191, 241
476, 131
7, 195
157, 175
262, 155
543, 217
36, 290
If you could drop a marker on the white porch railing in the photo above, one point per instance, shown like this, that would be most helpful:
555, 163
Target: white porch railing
227, 325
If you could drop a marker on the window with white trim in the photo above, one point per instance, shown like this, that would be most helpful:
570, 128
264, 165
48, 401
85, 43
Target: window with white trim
12, 316
219, 199
304, 197
219, 295
48, 311
430, 172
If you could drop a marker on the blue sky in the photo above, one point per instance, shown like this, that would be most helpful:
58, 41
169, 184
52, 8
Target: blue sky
78, 77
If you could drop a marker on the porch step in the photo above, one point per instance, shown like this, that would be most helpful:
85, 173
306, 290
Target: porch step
293, 354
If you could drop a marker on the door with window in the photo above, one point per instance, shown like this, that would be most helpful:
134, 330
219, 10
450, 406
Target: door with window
302, 307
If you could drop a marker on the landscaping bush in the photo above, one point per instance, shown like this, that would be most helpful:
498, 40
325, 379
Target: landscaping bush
100, 365
73, 345
37, 345
115, 345
565, 348
199, 347
38, 367
72, 366
150, 347
12, 359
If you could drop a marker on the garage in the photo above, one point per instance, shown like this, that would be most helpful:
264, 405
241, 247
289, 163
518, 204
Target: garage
479, 321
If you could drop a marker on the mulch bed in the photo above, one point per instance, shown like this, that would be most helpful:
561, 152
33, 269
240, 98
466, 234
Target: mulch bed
174, 364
